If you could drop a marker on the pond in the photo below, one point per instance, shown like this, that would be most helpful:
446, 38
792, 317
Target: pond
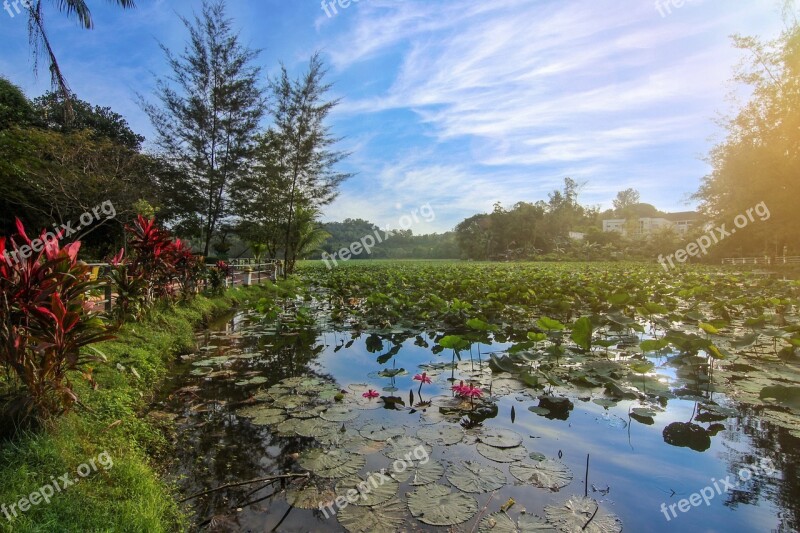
255, 402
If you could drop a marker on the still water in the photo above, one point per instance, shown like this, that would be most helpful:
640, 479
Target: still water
635, 470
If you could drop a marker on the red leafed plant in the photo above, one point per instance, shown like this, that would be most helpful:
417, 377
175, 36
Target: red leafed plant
188, 267
153, 264
44, 321
152, 257
217, 276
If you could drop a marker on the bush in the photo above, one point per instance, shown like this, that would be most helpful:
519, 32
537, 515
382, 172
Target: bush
44, 321
155, 263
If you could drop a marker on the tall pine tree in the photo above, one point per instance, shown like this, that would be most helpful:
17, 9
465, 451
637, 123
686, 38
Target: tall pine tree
209, 112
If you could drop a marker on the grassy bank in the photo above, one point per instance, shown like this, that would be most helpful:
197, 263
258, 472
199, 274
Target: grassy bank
123, 490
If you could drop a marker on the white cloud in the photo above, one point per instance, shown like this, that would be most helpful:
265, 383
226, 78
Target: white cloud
541, 90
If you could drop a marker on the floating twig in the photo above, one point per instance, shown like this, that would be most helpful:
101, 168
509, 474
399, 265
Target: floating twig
240, 483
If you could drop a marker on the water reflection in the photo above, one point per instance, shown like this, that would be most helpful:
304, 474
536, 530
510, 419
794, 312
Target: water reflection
660, 454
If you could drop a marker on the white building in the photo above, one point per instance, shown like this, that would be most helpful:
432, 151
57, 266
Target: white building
679, 222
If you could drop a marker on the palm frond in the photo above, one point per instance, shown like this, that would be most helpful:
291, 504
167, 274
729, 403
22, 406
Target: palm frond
77, 9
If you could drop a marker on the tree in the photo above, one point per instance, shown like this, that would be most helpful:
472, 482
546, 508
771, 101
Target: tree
625, 199
103, 122
207, 123
261, 200
37, 34
15, 109
48, 177
302, 146
564, 211
474, 236
53, 171
309, 235
759, 161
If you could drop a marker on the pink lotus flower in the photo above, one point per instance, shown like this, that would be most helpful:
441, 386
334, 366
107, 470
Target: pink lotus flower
468, 391
423, 378
370, 394
471, 392
459, 388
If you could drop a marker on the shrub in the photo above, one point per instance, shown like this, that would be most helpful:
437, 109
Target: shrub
217, 276
44, 321
155, 263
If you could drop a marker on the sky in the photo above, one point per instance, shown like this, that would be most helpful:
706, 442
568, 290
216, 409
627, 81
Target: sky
454, 105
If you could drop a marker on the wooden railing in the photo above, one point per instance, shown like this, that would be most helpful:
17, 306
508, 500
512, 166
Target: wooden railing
766, 260
243, 273
249, 273
746, 261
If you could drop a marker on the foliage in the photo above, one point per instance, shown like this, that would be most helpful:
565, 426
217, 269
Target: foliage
309, 236
625, 199
396, 244
132, 495
154, 264
295, 160
15, 109
55, 177
77, 9
102, 122
526, 230
217, 276
208, 133
758, 161
44, 321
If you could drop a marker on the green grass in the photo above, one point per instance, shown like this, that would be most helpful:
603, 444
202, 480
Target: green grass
129, 496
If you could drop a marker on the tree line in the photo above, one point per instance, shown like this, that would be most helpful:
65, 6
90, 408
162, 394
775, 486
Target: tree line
758, 162
234, 152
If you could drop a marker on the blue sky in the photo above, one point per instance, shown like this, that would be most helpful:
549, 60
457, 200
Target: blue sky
459, 103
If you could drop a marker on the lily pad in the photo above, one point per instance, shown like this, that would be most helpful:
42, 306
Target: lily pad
384, 518
261, 415
582, 514
502, 455
309, 497
526, 523
687, 435
392, 372
500, 438
211, 361
314, 427
381, 431
258, 380
332, 463
287, 428
536, 456
293, 382
339, 413
783, 395
417, 473
435, 505
605, 402
405, 447
306, 412
373, 489
291, 401
471, 476
441, 435
548, 474
309, 386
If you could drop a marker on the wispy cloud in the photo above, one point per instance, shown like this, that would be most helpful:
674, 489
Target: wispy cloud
537, 89
462, 104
